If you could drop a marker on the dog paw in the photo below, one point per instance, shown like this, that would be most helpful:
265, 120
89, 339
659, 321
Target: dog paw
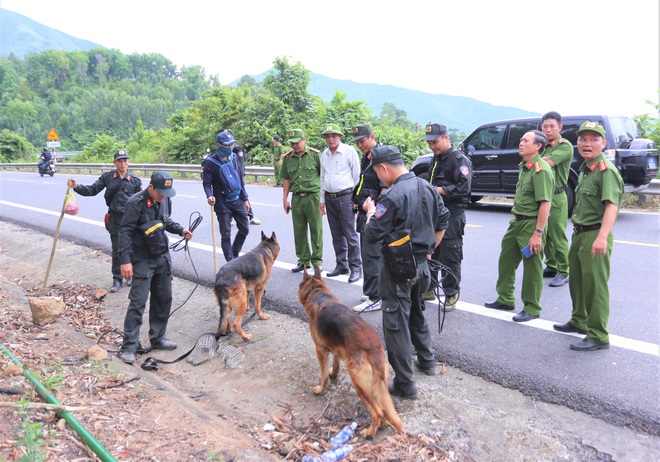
264, 316
319, 390
367, 434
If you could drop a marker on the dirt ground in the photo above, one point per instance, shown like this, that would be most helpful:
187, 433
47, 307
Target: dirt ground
262, 408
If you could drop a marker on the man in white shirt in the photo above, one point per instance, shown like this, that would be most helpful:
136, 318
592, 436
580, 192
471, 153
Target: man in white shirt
340, 172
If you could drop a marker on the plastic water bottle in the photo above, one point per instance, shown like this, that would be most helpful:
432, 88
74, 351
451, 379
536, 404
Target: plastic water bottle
344, 435
337, 453
311, 458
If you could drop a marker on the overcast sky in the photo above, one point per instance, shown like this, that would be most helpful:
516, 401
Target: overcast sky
571, 56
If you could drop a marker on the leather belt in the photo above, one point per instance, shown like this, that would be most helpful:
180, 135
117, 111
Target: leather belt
302, 194
338, 194
577, 229
560, 190
524, 217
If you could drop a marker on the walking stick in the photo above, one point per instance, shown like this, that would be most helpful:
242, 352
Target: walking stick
57, 233
215, 259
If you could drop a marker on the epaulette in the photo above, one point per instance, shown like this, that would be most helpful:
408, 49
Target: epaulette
537, 167
602, 165
315, 150
288, 152
563, 140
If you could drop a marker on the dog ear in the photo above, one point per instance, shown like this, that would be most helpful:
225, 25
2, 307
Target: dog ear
273, 237
317, 271
305, 274
263, 236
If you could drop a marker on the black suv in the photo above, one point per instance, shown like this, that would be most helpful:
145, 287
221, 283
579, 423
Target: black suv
493, 148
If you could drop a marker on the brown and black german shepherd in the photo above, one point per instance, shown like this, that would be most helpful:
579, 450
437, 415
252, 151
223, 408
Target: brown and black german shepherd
240, 276
338, 330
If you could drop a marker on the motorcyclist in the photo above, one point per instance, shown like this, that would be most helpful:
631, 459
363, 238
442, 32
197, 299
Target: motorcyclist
45, 157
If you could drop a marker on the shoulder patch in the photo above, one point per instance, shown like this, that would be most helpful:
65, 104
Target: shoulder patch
537, 167
563, 140
465, 171
314, 150
602, 165
380, 210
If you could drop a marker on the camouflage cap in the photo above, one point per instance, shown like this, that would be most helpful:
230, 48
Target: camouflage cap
434, 131
296, 135
332, 129
361, 131
589, 126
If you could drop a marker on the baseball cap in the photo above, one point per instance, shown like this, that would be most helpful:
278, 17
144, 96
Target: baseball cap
589, 126
331, 129
361, 131
121, 154
384, 154
434, 131
162, 181
225, 138
296, 135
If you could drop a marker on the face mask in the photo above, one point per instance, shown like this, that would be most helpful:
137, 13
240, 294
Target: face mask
224, 152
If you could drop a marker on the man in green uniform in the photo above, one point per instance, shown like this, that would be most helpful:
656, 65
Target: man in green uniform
597, 199
276, 161
301, 175
411, 204
144, 255
530, 215
559, 154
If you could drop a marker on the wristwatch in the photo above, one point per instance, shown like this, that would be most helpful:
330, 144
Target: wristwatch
538, 230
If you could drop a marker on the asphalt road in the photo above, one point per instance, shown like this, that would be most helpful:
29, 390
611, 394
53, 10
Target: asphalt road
619, 385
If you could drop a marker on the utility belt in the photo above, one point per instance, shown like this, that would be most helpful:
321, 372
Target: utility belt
560, 190
577, 229
524, 217
302, 194
339, 194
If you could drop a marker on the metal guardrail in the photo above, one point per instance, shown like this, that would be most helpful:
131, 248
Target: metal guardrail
183, 169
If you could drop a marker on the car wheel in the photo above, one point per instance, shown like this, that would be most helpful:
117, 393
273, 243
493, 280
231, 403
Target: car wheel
474, 199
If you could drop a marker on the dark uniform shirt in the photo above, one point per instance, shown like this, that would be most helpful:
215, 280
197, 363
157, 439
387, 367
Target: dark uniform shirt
453, 172
599, 181
141, 209
304, 172
399, 208
117, 190
535, 184
369, 185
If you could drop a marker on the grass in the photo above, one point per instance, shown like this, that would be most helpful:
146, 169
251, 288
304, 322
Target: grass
32, 440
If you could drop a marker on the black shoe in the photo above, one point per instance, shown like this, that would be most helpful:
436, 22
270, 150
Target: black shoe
587, 345
558, 280
163, 344
297, 269
337, 272
524, 316
498, 306
430, 370
115, 286
355, 275
568, 327
410, 393
129, 282
549, 273
127, 356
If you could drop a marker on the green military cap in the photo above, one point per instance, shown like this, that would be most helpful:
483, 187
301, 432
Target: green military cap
162, 181
331, 129
296, 135
589, 126
384, 154
361, 131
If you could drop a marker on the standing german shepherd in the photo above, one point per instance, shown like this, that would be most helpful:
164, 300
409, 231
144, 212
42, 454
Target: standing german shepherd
338, 330
240, 276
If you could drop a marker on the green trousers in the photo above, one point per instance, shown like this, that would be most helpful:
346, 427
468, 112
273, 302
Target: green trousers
278, 177
590, 292
305, 214
514, 240
556, 242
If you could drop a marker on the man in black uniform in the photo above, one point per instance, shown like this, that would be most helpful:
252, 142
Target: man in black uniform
450, 172
368, 186
145, 257
119, 185
409, 203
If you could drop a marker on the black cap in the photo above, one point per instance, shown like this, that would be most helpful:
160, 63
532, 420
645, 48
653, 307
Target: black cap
361, 131
434, 131
163, 181
121, 154
384, 154
276, 138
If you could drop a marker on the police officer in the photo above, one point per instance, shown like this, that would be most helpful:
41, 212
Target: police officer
527, 228
559, 155
450, 172
409, 203
145, 257
369, 185
119, 185
301, 175
597, 200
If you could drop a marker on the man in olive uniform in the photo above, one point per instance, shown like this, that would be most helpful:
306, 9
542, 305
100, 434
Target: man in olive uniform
369, 185
450, 172
527, 228
559, 155
276, 161
409, 203
301, 175
597, 199
119, 185
144, 255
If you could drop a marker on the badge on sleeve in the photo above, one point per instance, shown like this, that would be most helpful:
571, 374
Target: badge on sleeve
465, 171
380, 210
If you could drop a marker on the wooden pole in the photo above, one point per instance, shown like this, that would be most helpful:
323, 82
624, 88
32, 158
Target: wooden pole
57, 233
215, 259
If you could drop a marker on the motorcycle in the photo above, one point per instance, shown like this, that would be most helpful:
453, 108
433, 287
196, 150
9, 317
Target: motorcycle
48, 168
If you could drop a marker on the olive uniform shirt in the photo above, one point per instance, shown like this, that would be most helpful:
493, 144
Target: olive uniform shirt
535, 184
560, 151
599, 181
304, 172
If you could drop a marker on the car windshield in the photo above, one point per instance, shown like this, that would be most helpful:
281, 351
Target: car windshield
623, 131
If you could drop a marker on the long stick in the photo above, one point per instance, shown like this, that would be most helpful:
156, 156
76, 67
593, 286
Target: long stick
57, 233
215, 259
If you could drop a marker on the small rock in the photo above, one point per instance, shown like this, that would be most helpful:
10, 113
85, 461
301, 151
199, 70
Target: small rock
96, 353
61, 425
46, 310
100, 294
14, 369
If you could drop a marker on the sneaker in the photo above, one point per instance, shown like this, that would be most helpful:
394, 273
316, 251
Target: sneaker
364, 298
255, 221
368, 306
450, 303
428, 295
